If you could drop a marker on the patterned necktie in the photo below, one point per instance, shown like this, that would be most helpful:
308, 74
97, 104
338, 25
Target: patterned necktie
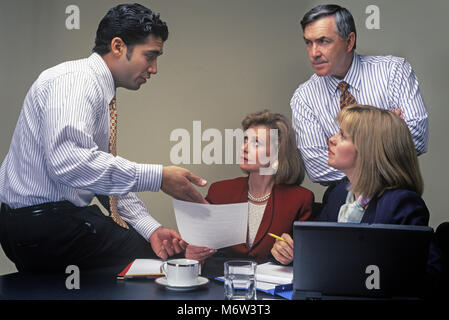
113, 200
346, 98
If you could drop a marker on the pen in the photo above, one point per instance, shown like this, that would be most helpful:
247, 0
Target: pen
276, 237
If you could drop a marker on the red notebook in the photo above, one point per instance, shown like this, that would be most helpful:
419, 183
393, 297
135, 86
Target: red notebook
142, 268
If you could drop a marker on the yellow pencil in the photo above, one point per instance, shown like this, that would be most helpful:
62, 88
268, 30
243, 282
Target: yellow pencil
276, 237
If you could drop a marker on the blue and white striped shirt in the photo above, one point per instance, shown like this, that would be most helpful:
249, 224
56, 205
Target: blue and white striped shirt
59, 149
386, 82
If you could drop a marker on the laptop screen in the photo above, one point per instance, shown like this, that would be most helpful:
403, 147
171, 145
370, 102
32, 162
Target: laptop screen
359, 260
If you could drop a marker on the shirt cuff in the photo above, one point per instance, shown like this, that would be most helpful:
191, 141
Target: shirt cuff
146, 226
149, 177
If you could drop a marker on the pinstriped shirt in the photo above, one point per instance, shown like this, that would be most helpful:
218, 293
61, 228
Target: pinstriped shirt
59, 149
386, 82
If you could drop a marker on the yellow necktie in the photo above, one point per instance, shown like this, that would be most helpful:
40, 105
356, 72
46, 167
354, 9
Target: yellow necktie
113, 200
346, 98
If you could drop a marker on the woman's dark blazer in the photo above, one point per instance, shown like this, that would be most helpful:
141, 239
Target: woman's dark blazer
397, 206
287, 203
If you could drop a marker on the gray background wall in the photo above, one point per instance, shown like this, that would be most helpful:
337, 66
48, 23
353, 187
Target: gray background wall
223, 59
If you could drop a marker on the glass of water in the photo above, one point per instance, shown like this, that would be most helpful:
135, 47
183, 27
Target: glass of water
240, 280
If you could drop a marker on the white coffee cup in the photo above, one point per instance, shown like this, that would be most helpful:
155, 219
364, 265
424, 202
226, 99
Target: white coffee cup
181, 272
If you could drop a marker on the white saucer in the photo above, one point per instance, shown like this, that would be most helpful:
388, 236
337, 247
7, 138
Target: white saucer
201, 281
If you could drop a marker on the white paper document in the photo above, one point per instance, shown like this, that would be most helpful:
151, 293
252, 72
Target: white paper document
210, 225
273, 273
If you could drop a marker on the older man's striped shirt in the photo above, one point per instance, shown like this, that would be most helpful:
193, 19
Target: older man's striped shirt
59, 149
385, 82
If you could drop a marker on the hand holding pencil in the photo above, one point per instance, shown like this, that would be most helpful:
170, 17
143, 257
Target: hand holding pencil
282, 249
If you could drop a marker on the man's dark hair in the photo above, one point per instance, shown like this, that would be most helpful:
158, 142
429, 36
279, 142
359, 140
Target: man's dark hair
130, 22
343, 19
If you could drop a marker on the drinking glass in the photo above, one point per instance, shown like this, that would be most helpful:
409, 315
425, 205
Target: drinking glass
240, 280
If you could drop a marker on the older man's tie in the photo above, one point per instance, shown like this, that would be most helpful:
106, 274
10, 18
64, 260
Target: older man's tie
113, 200
346, 98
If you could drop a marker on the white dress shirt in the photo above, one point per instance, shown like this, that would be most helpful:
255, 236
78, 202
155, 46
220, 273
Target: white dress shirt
59, 150
385, 82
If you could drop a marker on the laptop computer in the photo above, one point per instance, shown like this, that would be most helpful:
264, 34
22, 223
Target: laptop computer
339, 260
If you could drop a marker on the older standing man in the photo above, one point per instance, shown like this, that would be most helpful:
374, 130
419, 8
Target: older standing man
342, 77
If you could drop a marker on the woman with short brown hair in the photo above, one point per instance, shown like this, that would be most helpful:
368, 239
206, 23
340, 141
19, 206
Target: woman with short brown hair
274, 169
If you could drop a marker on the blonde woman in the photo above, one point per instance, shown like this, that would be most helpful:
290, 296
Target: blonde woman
275, 200
375, 150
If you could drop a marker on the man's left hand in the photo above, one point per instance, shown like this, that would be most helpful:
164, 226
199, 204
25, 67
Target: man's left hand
166, 242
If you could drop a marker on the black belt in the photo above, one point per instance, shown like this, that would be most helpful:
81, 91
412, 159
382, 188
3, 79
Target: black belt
37, 209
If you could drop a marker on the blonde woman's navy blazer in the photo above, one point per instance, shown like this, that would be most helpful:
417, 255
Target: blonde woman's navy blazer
397, 206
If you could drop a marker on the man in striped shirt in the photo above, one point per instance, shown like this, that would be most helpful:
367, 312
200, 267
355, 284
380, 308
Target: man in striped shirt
386, 82
60, 158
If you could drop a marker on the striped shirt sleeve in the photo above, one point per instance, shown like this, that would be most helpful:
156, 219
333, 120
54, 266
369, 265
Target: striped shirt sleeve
405, 94
134, 212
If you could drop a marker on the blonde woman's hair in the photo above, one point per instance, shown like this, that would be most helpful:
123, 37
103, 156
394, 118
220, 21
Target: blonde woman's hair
386, 155
290, 165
